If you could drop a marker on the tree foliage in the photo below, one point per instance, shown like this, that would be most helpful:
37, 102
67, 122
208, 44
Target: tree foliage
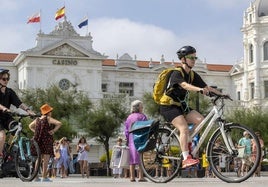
150, 107
104, 122
255, 118
68, 106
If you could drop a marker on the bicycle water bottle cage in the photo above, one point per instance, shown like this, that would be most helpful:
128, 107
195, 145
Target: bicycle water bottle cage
13, 126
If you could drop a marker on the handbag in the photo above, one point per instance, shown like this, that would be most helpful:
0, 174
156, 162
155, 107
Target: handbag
144, 134
123, 160
241, 152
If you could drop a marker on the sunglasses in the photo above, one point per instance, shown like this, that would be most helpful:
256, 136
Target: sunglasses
5, 79
191, 57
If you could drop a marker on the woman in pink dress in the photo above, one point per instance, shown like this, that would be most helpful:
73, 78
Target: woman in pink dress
136, 115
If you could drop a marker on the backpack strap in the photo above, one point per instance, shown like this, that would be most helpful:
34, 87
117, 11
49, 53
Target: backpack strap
182, 73
167, 100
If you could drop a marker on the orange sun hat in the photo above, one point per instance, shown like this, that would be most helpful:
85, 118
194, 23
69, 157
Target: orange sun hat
45, 109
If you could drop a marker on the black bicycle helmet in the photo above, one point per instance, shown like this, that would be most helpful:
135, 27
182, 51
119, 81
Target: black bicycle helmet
184, 51
3, 70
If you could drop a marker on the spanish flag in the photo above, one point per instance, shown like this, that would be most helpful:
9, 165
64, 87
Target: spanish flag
60, 13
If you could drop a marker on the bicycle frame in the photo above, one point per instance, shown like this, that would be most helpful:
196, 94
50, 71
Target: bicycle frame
24, 151
213, 116
17, 138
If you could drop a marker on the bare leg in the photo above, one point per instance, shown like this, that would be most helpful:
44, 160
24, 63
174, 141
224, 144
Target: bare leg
181, 124
132, 172
2, 140
141, 177
45, 164
85, 166
81, 168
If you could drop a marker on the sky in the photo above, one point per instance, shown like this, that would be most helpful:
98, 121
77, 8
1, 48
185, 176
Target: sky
146, 29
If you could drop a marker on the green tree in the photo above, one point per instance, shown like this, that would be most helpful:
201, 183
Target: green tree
69, 106
151, 108
104, 122
199, 102
255, 118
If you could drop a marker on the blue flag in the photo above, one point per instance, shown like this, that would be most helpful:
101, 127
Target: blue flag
83, 23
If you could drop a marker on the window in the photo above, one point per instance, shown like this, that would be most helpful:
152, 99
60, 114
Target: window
252, 90
250, 18
265, 51
104, 87
126, 88
238, 96
251, 53
64, 84
266, 89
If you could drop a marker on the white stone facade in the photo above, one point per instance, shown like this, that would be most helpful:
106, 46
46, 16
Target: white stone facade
250, 76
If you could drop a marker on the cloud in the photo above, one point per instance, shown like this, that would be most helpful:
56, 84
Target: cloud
15, 41
145, 41
119, 36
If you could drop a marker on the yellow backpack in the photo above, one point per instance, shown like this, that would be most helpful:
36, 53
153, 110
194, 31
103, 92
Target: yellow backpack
160, 86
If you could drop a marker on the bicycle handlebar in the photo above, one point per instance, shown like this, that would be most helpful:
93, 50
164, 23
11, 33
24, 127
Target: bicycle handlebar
212, 94
21, 115
216, 96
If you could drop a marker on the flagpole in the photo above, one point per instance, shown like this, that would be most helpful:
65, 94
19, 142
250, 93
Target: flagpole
40, 31
87, 24
65, 12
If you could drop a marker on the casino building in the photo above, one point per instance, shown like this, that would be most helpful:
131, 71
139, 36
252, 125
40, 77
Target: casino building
65, 58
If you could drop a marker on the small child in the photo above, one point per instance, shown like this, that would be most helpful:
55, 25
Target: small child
116, 158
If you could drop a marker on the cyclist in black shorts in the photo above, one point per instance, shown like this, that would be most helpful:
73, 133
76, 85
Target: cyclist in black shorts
179, 113
7, 97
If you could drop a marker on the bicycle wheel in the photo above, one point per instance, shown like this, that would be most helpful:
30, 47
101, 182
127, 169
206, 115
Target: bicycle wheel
28, 159
230, 166
162, 163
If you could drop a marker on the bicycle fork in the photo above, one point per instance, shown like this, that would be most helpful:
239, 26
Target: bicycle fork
227, 138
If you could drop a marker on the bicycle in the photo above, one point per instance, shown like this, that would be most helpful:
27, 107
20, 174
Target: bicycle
21, 153
221, 144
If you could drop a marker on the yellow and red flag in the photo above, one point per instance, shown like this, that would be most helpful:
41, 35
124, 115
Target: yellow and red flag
60, 13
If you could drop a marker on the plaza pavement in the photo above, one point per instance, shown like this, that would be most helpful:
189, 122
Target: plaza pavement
77, 181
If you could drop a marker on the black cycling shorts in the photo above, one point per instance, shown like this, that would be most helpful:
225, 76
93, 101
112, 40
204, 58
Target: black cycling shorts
169, 112
4, 123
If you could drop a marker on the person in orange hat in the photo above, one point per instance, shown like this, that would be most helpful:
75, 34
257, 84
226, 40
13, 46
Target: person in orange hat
43, 135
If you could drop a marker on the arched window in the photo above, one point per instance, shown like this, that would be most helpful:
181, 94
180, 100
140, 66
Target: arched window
251, 53
265, 51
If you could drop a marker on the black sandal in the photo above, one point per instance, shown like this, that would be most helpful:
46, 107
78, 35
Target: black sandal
142, 180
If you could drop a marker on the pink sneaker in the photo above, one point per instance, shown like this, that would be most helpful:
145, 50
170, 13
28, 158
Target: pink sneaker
189, 162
